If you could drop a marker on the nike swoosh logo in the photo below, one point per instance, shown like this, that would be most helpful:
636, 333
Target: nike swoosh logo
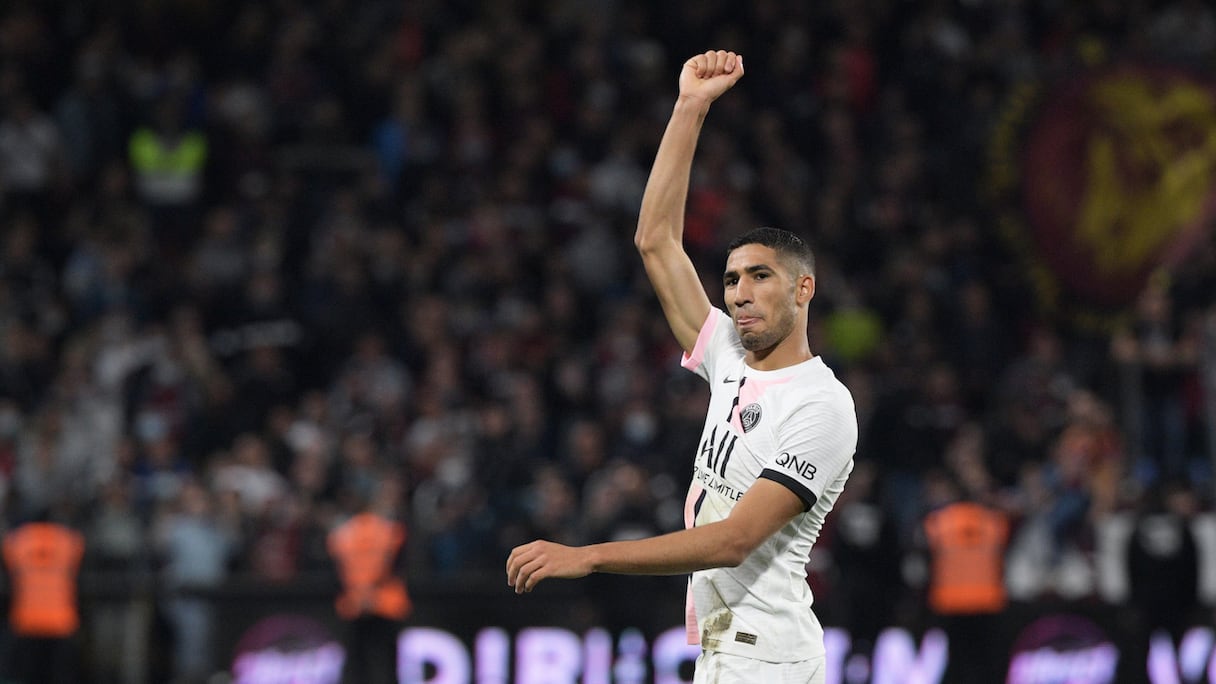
728, 380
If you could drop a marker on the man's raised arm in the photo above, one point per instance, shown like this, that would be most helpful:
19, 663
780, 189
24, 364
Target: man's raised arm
660, 233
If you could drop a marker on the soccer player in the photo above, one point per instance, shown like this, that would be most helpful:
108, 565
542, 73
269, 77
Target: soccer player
778, 440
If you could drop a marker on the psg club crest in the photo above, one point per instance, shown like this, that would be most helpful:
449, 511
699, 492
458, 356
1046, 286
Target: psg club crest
750, 416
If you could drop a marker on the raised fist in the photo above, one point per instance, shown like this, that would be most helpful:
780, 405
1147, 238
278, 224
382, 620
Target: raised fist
708, 75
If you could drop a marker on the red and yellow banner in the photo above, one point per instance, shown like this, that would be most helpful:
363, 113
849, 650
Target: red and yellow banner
1105, 179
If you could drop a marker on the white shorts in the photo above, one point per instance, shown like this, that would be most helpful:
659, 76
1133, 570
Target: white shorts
723, 668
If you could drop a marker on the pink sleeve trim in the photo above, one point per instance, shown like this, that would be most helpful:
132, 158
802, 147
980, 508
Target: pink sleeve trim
690, 609
693, 361
691, 633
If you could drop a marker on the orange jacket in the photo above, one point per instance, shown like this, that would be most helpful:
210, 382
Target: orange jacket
967, 543
43, 560
364, 548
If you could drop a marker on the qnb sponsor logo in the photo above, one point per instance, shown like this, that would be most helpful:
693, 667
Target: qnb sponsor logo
321, 665
1049, 666
802, 467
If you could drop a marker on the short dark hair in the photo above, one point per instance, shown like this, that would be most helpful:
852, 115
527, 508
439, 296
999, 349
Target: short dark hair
793, 250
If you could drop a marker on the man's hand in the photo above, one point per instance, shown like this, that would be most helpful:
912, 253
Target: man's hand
705, 77
530, 563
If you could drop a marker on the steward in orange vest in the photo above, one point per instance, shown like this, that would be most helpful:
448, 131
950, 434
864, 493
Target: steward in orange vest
366, 548
374, 601
43, 562
967, 542
43, 559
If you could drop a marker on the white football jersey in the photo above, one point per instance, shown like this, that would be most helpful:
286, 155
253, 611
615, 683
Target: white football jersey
796, 426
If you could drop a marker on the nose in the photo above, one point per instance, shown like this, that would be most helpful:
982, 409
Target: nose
743, 292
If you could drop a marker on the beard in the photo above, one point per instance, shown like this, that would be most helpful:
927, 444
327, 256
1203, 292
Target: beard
771, 336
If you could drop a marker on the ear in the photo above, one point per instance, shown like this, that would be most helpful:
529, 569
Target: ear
805, 289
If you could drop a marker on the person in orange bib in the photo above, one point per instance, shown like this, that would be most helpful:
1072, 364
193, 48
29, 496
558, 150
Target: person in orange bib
374, 601
967, 542
43, 562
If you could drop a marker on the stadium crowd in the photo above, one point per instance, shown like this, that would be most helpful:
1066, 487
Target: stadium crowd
261, 258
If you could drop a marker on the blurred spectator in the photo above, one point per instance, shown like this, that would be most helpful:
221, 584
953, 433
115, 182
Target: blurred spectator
26, 363
196, 542
1163, 560
29, 278
371, 381
101, 277
1158, 352
241, 152
1041, 563
359, 467
1028, 405
1091, 445
915, 424
981, 339
277, 536
11, 426
220, 261
551, 505
619, 504
31, 156
159, 468
405, 140
43, 477
250, 476
89, 116
584, 453
263, 380
866, 556
116, 553
1185, 29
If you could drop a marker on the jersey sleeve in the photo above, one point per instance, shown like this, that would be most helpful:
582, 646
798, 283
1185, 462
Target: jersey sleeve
717, 345
816, 442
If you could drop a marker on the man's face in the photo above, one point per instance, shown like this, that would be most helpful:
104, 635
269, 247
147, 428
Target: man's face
759, 294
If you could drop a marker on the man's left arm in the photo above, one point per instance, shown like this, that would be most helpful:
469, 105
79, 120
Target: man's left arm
760, 513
